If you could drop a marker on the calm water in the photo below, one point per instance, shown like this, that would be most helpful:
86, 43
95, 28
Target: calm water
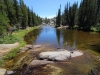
64, 38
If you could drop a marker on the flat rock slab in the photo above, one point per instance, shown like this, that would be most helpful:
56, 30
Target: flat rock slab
39, 62
9, 46
37, 46
33, 46
59, 55
2, 71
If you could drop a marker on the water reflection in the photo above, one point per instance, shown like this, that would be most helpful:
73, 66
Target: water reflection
32, 36
58, 35
68, 47
74, 46
68, 39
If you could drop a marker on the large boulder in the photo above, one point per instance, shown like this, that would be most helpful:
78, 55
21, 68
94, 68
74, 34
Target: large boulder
59, 55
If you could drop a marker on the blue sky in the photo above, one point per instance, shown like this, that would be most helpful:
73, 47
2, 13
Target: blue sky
47, 8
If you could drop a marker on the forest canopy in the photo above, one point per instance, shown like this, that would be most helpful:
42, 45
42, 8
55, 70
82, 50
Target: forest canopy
14, 15
85, 17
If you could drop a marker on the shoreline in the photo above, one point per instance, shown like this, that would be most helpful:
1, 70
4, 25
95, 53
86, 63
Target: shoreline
10, 51
37, 50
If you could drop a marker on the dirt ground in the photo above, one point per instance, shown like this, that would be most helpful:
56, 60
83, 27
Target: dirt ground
5, 48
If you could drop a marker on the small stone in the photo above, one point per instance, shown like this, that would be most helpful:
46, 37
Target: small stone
10, 72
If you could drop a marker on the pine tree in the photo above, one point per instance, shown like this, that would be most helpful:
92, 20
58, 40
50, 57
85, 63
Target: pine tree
10, 12
87, 14
39, 20
29, 18
16, 8
67, 14
24, 19
98, 11
58, 18
72, 13
33, 20
3, 19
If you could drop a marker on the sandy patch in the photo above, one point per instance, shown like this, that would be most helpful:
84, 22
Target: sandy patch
5, 48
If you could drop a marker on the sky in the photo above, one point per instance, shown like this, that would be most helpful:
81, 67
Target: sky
48, 8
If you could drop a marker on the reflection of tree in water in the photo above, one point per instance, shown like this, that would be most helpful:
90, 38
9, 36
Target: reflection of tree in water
71, 48
68, 39
68, 36
58, 36
68, 47
65, 36
32, 36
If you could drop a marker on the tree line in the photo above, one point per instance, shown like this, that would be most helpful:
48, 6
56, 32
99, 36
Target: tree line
15, 14
85, 17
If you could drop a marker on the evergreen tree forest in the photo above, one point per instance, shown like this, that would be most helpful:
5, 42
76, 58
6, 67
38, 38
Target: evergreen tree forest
58, 18
15, 15
84, 17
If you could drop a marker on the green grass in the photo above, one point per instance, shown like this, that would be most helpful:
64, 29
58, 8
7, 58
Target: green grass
17, 36
9, 39
96, 28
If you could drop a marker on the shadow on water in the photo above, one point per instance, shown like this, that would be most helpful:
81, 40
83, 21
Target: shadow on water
32, 36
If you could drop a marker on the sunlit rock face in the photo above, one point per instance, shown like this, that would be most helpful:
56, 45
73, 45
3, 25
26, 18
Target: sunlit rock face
59, 55
2, 71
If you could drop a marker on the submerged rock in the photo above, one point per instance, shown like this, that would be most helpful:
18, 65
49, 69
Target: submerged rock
39, 62
33, 46
59, 55
55, 70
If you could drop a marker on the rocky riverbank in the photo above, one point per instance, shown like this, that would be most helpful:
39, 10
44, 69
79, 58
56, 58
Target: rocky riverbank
81, 64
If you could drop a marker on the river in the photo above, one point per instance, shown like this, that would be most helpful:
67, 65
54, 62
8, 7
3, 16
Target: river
64, 38
87, 64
